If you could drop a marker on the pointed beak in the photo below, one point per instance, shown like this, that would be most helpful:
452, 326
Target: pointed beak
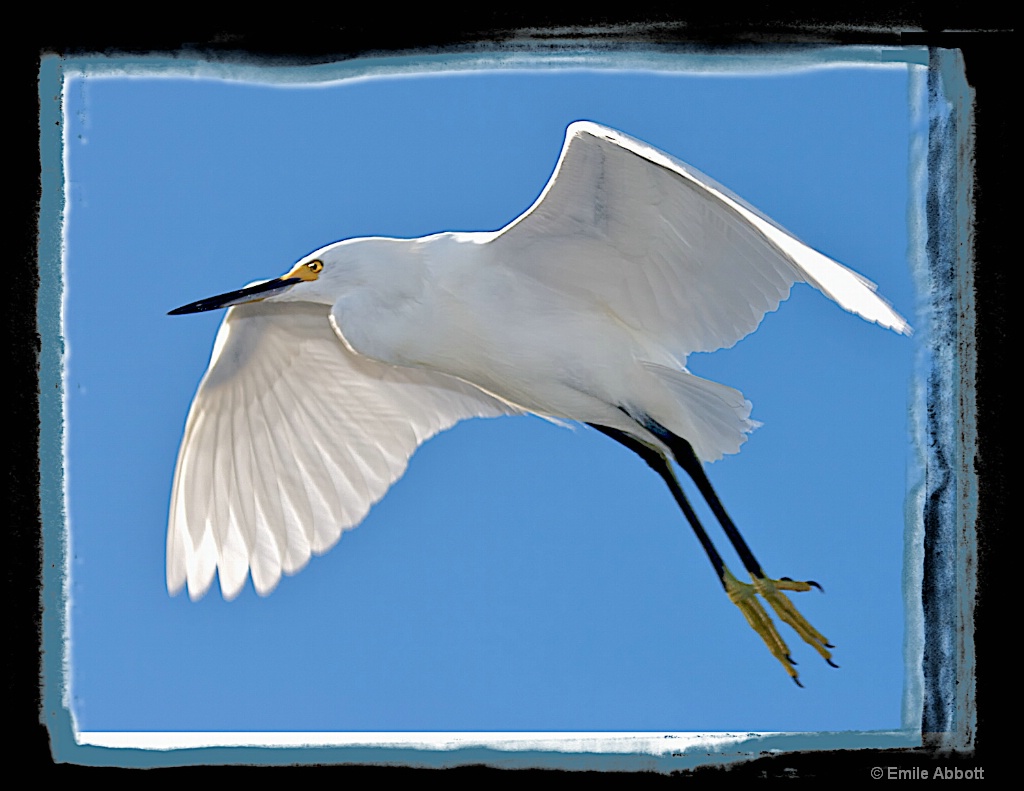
239, 296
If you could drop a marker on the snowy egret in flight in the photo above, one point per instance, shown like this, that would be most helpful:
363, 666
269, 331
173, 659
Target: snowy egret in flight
324, 381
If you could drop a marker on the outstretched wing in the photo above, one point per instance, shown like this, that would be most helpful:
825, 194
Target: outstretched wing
665, 249
290, 439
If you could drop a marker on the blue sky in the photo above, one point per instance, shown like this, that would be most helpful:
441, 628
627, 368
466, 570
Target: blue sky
521, 576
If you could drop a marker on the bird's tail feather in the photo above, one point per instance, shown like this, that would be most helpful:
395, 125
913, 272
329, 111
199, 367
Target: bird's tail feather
712, 417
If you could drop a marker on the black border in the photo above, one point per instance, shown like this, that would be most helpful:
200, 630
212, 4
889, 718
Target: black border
987, 50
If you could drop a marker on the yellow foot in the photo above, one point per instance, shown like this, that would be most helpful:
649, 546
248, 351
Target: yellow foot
744, 596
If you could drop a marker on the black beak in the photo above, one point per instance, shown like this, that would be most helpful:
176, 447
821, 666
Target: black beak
237, 297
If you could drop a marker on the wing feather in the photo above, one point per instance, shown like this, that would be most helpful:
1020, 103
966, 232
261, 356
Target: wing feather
290, 440
666, 249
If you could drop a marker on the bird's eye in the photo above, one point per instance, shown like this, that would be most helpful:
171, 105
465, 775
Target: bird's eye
315, 266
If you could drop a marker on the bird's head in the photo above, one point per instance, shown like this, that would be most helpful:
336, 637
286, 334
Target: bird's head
323, 276
305, 272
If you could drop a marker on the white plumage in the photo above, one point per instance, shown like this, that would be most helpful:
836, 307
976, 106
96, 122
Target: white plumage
583, 308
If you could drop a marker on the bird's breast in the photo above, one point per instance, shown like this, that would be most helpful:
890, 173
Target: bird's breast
519, 344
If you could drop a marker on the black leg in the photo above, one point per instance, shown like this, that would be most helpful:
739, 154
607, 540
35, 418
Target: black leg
687, 459
660, 465
743, 595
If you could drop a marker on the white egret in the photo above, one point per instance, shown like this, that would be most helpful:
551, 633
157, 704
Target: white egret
324, 381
